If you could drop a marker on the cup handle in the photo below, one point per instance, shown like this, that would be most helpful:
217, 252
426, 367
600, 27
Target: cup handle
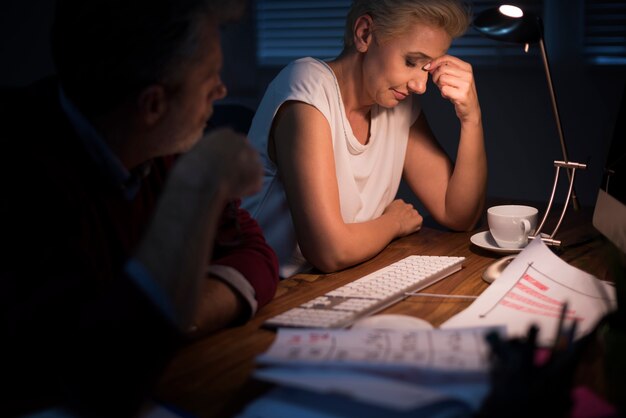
526, 230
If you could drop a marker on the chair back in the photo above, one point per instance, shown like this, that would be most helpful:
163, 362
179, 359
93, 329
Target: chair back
236, 116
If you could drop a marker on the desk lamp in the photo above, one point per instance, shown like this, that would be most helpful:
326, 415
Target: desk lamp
512, 24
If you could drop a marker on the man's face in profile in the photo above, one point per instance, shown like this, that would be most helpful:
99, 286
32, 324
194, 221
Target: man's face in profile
191, 105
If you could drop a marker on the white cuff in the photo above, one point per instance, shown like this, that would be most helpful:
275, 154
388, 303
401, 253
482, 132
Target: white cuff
238, 283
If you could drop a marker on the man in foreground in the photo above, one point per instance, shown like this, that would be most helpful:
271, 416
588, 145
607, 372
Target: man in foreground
117, 250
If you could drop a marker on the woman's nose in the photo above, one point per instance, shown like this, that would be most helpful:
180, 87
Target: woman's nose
417, 84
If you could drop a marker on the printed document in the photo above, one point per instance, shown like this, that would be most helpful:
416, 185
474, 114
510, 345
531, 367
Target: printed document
532, 290
395, 369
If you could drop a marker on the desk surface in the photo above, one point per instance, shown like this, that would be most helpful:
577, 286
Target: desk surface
211, 377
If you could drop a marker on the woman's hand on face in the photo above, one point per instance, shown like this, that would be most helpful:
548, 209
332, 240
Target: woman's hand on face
455, 80
408, 218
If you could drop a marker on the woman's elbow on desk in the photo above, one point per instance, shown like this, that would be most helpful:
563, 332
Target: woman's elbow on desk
328, 258
344, 251
334, 246
461, 222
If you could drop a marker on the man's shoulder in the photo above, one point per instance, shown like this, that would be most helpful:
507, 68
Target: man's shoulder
32, 118
36, 95
40, 146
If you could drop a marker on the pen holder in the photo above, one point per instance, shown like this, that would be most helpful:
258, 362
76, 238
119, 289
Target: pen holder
612, 334
522, 385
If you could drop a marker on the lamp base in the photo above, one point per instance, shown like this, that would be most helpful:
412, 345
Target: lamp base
494, 270
571, 167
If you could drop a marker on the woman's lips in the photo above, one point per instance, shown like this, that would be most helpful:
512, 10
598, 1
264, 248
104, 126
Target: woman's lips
399, 95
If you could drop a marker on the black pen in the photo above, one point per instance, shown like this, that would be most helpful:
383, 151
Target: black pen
572, 334
559, 339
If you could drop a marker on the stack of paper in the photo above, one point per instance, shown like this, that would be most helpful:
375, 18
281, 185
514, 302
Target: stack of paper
395, 370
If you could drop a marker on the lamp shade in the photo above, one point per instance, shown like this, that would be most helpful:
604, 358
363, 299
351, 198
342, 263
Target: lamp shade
495, 24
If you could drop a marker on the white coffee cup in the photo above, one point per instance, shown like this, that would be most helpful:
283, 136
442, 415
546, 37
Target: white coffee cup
510, 225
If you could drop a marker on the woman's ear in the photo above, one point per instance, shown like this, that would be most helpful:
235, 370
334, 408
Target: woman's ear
152, 104
363, 33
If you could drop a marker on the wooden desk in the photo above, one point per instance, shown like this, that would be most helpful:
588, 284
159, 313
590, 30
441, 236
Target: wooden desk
211, 378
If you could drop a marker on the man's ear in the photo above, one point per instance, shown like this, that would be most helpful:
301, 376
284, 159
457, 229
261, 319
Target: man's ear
152, 104
363, 33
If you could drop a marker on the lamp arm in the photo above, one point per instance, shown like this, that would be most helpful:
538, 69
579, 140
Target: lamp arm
557, 117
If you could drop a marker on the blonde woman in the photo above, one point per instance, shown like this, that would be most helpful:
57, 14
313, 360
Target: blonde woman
336, 138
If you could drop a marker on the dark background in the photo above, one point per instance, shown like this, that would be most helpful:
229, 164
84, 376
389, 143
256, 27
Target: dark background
520, 132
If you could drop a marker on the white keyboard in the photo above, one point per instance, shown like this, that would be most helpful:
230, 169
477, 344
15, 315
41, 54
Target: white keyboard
368, 294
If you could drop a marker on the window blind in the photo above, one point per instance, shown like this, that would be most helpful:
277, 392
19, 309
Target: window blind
291, 29
288, 29
605, 32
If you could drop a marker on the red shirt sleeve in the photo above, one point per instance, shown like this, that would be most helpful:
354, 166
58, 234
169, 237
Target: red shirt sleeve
242, 246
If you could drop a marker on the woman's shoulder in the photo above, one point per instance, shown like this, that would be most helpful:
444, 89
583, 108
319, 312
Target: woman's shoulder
307, 79
308, 64
307, 69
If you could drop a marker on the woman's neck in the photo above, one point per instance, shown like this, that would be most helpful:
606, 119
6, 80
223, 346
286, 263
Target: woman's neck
348, 71
347, 68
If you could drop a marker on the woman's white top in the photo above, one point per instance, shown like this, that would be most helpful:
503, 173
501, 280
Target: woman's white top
368, 175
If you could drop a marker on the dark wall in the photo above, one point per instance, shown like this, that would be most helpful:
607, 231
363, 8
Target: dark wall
520, 132
24, 50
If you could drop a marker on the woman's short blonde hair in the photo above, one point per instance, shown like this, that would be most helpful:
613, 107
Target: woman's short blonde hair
394, 17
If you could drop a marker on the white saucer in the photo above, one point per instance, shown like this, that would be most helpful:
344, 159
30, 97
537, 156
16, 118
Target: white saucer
486, 241
391, 322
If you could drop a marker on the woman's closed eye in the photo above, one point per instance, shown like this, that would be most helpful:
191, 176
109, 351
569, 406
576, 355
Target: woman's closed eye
416, 62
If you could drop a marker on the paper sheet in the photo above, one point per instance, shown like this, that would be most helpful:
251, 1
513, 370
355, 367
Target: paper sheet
442, 351
531, 290
393, 369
